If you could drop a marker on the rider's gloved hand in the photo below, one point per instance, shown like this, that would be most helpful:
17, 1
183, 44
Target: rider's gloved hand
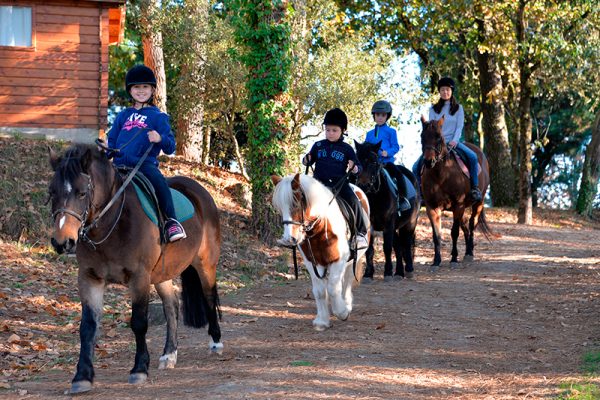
306, 159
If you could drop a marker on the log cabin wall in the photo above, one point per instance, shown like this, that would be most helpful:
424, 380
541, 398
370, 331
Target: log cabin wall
58, 87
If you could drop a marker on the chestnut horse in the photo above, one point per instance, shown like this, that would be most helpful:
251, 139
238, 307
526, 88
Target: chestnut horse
115, 242
313, 221
446, 187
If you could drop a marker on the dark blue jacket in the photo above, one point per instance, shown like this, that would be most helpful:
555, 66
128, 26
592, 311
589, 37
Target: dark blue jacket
127, 126
331, 160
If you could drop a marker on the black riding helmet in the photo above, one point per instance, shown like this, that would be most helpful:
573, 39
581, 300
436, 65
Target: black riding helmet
337, 117
382, 106
446, 81
139, 75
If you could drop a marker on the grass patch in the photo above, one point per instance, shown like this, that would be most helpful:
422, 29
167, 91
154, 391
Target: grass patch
587, 389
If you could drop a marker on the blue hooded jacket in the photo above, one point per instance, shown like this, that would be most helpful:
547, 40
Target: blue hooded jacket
125, 135
389, 141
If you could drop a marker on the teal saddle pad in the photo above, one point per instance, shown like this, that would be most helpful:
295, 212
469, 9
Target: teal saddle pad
184, 209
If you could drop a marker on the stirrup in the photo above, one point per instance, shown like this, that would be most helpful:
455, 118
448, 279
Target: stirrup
359, 242
403, 205
475, 194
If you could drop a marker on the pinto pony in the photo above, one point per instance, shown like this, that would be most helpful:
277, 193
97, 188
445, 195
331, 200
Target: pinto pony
446, 187
398, 230
313, 221
115, 242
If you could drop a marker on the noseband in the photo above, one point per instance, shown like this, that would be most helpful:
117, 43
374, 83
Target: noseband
437, 150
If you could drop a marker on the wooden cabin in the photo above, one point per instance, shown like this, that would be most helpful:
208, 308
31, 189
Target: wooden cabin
54, 66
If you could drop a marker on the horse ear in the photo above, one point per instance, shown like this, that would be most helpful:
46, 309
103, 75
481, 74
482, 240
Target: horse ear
377, 146
275, 179
54, 158
423, 120
356, 144
86, 160
441, 122
296, 182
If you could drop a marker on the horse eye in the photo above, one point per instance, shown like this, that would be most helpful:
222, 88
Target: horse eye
82, 195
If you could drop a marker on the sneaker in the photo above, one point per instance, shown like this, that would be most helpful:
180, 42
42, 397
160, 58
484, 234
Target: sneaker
360, 242
475, 194
174, 230
403, 204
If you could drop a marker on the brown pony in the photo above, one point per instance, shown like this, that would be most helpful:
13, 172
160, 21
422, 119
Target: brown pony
445, 187
115, 242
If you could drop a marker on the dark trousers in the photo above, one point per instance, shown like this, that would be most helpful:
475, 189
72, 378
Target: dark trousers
395, 173
350, 197
161, 188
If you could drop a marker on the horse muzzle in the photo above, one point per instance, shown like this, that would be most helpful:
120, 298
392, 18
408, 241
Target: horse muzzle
430, 163
68, 246
290, 242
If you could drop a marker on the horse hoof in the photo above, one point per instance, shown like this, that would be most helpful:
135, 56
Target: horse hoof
398, 278
388, 278
168, 361
454, 265
80, 387
468, 258
137, 378
434, 268
367, 279
409, 275
320, 327
343, 316
216, 348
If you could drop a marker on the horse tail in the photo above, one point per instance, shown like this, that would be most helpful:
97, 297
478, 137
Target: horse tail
484, 227
195, 305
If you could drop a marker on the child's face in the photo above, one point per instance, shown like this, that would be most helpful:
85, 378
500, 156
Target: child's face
380, 118
141, 93
333, 133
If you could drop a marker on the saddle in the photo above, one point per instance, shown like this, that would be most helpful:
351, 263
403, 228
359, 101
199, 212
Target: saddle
184, 209
460, 158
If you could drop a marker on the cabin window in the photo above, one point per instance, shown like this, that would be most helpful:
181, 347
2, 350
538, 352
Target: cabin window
15, 26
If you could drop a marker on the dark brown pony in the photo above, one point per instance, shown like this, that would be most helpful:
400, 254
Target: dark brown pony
115, 242
445, 187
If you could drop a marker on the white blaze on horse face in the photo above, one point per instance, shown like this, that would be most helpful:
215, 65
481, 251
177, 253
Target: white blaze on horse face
68, 187
61, 221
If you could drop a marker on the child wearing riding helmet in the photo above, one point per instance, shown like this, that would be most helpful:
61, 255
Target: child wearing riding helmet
138, 127
387, 136
454, 120
332, 158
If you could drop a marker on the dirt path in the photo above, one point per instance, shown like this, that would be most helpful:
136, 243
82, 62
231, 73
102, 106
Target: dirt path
513, 324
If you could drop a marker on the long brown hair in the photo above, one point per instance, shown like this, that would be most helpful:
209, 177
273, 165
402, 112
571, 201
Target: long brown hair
437, 107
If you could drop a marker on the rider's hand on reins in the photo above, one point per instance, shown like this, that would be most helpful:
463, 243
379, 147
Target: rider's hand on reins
352, 167
306, 159
154, 137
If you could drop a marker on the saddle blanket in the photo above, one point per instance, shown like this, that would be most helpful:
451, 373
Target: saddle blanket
462, 165
411, 192
184, 209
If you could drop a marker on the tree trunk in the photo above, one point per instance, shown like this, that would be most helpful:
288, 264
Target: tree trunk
525, 214
191, 85
502, 181
206, 145
591, 172
153, 50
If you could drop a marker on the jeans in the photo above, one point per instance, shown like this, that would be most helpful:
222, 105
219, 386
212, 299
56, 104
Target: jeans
161, 188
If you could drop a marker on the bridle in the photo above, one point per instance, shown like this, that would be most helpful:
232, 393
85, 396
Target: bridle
437, 149
375, 180
85, 227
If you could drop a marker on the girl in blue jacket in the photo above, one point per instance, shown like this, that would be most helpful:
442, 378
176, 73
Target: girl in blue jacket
138, 127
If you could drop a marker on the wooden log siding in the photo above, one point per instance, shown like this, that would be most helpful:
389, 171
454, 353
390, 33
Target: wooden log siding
62, 82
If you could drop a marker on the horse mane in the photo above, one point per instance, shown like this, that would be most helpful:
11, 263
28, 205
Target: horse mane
318, 197
71, 164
